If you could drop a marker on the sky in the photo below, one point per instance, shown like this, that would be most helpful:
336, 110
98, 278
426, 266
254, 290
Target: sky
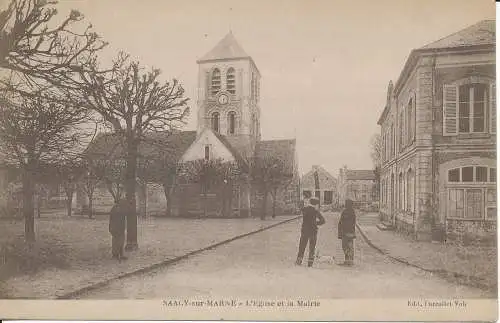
325, 64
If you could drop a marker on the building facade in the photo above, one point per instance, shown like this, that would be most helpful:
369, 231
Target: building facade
225, 146
320, 183
438, 130
359, 186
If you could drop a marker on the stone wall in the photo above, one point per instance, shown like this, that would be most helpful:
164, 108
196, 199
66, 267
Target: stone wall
471, 231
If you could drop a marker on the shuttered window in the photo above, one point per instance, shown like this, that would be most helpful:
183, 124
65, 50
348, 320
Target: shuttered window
469, 108
231, 81
216, 82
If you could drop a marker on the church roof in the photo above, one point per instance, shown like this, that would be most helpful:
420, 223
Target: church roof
283, 149
360, 175
481, 33
227, 48
173, 144
240, 159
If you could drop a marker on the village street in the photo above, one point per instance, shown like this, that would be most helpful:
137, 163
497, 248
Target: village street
262, 265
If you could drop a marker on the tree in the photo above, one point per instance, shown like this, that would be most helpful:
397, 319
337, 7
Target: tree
38, 49
68, 172
376, 155
134, 103
91, 180
270, 173
34, 131
210, 174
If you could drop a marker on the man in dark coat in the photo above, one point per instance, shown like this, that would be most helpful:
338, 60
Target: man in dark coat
117, 225
347, 232
311, 219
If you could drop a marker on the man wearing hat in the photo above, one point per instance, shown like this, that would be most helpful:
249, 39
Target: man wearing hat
311, 219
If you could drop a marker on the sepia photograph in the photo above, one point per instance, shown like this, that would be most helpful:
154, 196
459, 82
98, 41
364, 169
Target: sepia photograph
248, 160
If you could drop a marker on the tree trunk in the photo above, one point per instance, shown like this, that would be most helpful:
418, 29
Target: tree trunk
130, 189
168, 193
91, 206
28, 205
69, 201
274, 203
264, 206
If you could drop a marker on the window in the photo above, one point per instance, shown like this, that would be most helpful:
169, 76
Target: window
207, 152
317, 194
215, 121
471, 194
472, 108
468, 174
328, 197
216, 81
231, 81
231, 120
491, 204
401, 192
401, 130
410, 117
493, 175
481, 174
454, 175
469, 108
410, 183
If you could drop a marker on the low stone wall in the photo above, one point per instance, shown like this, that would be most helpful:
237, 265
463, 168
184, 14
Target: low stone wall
471, 231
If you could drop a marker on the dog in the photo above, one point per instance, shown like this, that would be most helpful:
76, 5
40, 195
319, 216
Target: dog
324, 258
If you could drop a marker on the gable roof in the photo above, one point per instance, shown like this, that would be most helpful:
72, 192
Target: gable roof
477, 36
156, 144
235, 152
227, 48
481, 33
325, 178
360, 175
283, 149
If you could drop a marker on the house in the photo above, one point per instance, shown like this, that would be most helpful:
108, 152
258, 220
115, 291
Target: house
320, 183
438, 129
359, 186
215, 163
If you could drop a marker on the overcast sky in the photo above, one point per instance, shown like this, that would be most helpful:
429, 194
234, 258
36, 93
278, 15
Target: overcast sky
325, 64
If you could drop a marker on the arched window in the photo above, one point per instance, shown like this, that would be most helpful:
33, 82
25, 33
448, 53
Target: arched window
207, 152
215, 81
410, 191
231, 81
410, 122
215, 121
401, 191
231, 121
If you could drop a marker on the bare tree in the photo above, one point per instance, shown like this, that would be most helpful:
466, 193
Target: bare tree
213, 174
134, 103
36, 131
269, 173
40, 50
376, 155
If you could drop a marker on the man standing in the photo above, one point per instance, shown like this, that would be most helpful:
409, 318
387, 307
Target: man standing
311, 219
117, 227
347, 232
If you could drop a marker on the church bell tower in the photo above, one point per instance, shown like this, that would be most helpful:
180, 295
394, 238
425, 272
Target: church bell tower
228, 95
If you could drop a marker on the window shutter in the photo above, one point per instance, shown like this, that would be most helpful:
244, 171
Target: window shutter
450, 110
493, 108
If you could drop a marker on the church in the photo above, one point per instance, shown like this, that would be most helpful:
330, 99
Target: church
228, 132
